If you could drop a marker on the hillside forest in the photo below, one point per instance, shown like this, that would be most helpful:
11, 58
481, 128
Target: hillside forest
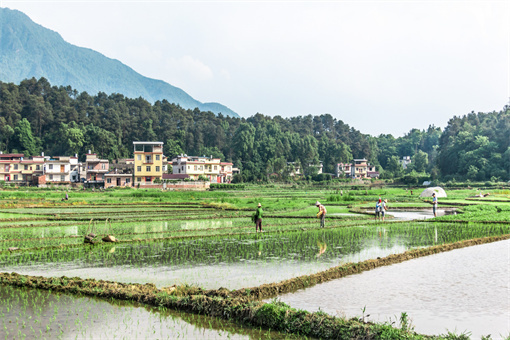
36, 117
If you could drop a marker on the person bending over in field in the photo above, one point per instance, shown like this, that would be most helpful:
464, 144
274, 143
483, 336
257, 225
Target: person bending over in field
257, 218
322, 213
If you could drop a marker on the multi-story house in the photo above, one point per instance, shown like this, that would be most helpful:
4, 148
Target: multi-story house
226, 172
62, 169
405, 161
148, 159
209, 167
95, 168
362, 169
31, 168
10, 167
15, 168
343, 169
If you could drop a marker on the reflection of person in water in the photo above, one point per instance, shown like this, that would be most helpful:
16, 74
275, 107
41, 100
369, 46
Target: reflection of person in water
322, 248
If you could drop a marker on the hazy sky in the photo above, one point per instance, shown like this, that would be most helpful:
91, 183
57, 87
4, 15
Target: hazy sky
379, 66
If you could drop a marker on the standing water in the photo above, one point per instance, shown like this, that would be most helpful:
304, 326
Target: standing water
465, 290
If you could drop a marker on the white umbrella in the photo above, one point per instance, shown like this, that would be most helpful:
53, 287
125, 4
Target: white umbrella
438, 190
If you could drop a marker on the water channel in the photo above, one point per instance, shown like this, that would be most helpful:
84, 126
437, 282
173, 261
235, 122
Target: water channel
465, 290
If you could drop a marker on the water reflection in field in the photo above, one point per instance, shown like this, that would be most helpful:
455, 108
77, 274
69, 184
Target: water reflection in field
236, 261
463, 290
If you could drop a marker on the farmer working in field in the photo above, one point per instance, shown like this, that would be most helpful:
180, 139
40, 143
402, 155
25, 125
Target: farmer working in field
434, 203
257, 218
322, 213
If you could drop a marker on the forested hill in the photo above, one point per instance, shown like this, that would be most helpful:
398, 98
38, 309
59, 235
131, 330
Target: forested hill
29, 50
36, 117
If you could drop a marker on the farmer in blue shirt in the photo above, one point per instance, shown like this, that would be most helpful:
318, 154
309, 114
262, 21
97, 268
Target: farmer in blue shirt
434, 203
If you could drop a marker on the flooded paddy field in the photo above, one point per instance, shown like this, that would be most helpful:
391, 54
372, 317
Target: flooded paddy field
237, 261
464, 291
180, 241
32, 313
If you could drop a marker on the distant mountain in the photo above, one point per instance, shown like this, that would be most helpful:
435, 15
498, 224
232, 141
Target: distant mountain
29, 50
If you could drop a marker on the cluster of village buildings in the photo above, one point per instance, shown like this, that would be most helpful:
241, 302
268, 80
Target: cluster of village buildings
148, 167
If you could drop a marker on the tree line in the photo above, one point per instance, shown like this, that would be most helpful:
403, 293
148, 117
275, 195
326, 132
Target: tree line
36, 117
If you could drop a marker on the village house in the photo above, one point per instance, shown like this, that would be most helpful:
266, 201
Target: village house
63, 169
10, 167
96, 169
362, 169
343, 170
209, 167
405, 161
148, 159
359, 169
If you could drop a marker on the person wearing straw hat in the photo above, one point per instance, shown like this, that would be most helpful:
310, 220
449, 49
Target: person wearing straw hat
257, 218
322, 213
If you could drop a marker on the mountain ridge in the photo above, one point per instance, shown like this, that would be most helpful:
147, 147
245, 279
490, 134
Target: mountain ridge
28, 50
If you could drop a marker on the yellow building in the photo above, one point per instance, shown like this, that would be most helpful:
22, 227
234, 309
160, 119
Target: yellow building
148, 158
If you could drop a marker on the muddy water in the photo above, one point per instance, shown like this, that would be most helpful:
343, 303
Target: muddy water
31, 313
463, 290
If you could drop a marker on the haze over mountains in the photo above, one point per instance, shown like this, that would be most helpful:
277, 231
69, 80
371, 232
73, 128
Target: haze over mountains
29, 50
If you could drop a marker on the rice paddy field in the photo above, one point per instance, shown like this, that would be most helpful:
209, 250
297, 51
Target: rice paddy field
190, 264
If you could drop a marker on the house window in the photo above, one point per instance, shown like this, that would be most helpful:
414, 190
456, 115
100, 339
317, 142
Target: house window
148, 159
26, 167
103, 166
50, 166
139, 179
157, 157
128, 180
157, 168
139, 157
148, 169
148, 179
215, 167
51, 177
109, 180
15, 166
138, 168
62, 178
15, 177
195, 167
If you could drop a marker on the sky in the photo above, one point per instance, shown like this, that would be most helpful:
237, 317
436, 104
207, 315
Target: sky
383, 67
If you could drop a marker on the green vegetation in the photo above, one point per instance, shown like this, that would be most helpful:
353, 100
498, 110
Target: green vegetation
35, 117
177, 241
